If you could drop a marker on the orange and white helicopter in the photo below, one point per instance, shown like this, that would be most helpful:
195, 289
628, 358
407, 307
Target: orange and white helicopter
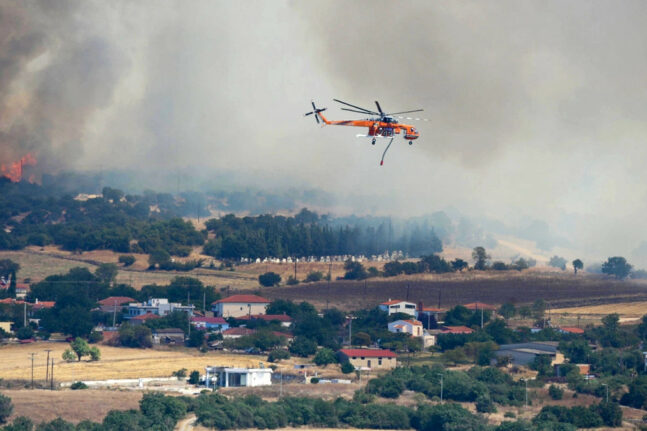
380, 125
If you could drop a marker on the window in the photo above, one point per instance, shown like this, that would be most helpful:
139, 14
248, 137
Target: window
379, 361
362, 358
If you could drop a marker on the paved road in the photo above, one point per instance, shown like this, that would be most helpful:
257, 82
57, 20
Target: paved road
186, 424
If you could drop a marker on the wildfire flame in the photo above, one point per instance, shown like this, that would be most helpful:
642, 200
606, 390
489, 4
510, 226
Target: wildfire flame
13, 171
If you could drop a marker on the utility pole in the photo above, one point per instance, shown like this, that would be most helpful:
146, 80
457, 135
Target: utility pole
114, 314
204, 302
439, 291
526, 382
350, 330
281, 390
408, 286
329, 278
295, 268
24, 321
52, 375
32, 369
607, 388
441, 389
481, 317
188, 316
47, 366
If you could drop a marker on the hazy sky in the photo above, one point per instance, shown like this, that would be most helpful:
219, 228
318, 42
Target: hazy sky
537, 108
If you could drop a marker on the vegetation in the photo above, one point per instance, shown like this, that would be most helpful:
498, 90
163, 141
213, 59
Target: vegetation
557, 262
269, 279
617, 266
6, 408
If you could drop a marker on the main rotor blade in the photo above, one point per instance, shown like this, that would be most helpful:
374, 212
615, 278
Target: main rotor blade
405, 112
309, 113
379, 108
359, 112
353, 106
314, 108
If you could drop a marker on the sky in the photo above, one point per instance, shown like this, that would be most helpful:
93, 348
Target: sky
536, 109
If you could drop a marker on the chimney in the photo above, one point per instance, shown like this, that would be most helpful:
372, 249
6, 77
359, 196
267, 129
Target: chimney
420, 306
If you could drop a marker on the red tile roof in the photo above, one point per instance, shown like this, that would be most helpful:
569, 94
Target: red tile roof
432, 309
572, 330
456, 330
480, 306
146, 316
369, 353
11, 301
392, 301
247, 299
119, 300
413, 322
43, 304
212, 320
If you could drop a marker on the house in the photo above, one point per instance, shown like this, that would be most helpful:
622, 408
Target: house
210, 323
480, 306
40, 305
380, 359
424, 314
168, 336
112, 303
159, 306
393, 306
21, 290
142, 318
412, 327
455, 330
283, 319
570, 330
226, 377
525, 353
240, 305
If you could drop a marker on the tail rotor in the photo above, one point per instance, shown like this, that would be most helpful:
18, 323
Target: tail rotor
315, 111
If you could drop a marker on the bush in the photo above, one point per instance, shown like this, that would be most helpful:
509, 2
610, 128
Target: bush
314, 380
78, 385
180, 374
95, 353
277, 355
95, 337
509, 415
291, 281
314, 276
194, 377
6, 408
25, 333
347, 367
324, 357
269, 279
484, 404
555, 392
302, 346
127, 259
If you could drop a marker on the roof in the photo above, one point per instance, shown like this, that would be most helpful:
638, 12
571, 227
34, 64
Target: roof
168, 331
213, 320
24, 286
44, 304
146, 316
479, 306
432, 309
392, 301
247, 299
572, 330
413, 322
11, 301
116, 300
543, 346
457, 330
369, 353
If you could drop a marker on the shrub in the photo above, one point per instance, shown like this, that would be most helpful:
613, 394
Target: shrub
509, 415
302, 346
6, 408
555, 392
277, 355
25, 333
95, 353
314, 276
484, 404
314, 380
291, 281
194, 377
347, 367
95, 337
78, 385
269, 279
127, 259
180, 374
325, 356
68, 355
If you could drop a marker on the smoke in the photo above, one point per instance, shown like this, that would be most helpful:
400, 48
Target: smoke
537, 109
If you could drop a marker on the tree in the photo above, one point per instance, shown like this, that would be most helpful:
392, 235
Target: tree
314, 276
68, 355
459, 264
577, 265
325, 356
135, 336
354, 271
196, 339
555, 392
480, 257
80, 347
95, 353
269, 279
507, 310
6, 408
106, 272
347, 367
302, 346
194, 377
8, 270
21, 423
617, 266
557, 262
127, 259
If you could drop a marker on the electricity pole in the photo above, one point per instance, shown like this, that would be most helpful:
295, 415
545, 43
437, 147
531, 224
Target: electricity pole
52, 375
114, 314
32, 369
47, 366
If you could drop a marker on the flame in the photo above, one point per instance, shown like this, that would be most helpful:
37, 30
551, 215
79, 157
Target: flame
13, 170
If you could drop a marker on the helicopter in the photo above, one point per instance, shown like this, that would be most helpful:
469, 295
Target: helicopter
380, 124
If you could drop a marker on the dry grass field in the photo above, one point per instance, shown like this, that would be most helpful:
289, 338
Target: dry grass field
115, 363
73, 406
625, 309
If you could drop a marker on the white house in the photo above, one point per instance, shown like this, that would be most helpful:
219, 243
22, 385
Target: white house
158, 306
411, 326
397, 306
234, 377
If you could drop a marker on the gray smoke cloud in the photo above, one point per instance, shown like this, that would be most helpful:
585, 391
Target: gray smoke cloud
537, 109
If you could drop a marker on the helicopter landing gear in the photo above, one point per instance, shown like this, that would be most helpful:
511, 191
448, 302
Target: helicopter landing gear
373, 141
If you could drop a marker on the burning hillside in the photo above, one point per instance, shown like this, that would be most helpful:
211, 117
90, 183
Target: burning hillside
14, 170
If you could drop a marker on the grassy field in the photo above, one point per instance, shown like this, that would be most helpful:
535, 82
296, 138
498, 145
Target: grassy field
73, 406
625, 309
116, 362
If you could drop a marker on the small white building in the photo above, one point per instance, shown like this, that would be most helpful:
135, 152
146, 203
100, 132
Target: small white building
240, 305
412, 327
398, 306
236, 377
158, 306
